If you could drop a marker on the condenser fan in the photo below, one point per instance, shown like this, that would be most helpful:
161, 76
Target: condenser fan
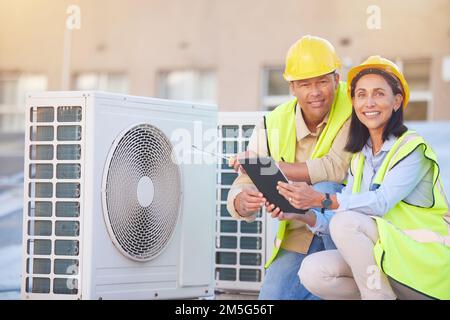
142, 192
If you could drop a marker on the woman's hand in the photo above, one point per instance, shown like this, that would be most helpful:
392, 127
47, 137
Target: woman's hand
300, 195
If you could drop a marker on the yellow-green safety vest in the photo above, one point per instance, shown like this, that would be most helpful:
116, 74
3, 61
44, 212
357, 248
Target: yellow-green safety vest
414, 242
282, 138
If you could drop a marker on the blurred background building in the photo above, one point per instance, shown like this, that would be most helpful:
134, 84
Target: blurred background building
230, 53
227, 52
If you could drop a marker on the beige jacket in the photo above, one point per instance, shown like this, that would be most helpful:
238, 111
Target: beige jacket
331, 167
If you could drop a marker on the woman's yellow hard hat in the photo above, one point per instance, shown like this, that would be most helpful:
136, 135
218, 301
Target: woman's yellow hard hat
377, 62
310, 57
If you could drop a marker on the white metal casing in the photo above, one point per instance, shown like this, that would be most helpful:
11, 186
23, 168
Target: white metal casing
184, 269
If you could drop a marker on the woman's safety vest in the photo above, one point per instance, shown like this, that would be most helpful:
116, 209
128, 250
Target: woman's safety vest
281, 138
414, 242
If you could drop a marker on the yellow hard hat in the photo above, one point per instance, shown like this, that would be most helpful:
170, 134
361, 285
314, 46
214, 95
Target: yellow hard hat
310, 57
377, 62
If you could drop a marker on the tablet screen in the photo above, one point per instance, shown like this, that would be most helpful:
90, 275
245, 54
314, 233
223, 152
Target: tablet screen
265, 174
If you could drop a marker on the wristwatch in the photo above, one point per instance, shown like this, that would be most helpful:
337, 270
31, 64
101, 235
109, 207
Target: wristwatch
326, 203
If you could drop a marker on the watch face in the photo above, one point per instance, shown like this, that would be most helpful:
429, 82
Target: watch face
326, 203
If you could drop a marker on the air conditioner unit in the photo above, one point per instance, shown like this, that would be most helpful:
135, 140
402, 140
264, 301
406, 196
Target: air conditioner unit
115, 207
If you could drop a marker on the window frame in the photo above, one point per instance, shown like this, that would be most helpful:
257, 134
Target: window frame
162, 88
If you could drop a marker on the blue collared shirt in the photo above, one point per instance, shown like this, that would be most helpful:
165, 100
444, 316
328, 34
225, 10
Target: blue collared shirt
410, 180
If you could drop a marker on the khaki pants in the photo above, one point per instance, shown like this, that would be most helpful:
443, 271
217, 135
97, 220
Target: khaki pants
350, 272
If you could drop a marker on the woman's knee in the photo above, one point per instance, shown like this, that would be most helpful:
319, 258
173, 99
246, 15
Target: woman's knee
343, 222
346, 223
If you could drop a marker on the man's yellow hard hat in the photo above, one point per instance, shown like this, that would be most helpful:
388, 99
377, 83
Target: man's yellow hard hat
377, 62
310, 57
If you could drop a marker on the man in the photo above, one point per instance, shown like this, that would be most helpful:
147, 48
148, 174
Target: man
307, 136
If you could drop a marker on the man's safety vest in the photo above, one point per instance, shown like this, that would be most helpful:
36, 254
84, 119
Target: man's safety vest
281, 138
414, 242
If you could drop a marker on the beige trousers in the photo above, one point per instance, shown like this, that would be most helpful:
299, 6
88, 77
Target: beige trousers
350, 272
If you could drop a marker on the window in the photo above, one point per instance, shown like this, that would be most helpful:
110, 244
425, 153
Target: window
112, 82
274, 89
191, 85
417, 74
13, 88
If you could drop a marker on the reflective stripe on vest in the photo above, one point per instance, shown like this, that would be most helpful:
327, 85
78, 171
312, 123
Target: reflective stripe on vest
282, 138
428, 236
413, 245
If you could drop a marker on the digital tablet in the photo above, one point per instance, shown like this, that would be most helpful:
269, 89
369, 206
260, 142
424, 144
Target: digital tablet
265, 174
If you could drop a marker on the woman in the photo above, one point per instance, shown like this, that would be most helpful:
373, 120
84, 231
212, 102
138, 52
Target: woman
390, 223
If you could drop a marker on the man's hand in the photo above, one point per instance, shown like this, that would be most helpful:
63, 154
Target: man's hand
275, 212
234, 161
248, 201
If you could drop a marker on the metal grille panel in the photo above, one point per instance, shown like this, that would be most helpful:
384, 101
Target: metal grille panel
142, 222
53, 197
240, 246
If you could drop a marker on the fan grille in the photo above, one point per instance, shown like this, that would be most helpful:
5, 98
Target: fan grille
142, 229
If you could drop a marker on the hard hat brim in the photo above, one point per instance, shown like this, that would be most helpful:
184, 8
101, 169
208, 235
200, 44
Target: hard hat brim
353, 72
307, 76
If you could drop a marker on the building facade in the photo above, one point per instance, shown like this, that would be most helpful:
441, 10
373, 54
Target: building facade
225, 52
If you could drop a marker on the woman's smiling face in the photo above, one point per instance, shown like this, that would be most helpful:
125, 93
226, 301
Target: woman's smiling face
374, 102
